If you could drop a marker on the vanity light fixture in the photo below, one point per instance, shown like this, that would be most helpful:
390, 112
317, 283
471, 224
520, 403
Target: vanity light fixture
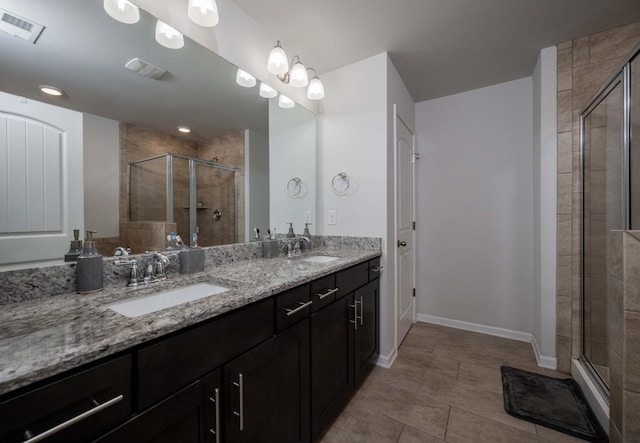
122, 10
285, 102
168, 37
278, 64
184, 129
267, 91
203, 12
245, 79
51, 90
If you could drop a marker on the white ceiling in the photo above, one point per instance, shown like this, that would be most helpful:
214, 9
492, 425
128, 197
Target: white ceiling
439, 47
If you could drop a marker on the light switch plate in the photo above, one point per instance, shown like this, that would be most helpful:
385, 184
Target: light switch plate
307, 216
332, 218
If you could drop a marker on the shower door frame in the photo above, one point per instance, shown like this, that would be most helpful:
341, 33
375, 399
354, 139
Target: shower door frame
621, 75
193, 162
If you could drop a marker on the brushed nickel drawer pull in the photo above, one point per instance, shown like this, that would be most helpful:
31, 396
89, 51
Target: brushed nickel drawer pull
377, 269
216, 401
74, 420
303, 305
355, 314
361, 311
328, 293
240, 414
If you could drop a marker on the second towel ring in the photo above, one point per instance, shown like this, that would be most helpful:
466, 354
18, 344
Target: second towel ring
340, 183
294, 186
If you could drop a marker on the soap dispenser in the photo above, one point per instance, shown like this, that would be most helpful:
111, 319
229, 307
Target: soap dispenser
291, 234
89, 271
305, 246
76, 247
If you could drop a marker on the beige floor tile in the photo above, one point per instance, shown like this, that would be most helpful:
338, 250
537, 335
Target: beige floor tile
470, 428
555, 436
411, 435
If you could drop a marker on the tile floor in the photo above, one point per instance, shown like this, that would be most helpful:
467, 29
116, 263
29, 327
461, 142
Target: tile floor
445, 385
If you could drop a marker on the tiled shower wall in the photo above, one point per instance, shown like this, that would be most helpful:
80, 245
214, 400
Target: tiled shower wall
583, 66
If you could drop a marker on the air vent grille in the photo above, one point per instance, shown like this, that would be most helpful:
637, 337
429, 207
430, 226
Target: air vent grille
20, 27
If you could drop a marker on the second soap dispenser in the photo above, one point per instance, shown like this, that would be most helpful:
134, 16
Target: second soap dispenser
89, 271
291, 234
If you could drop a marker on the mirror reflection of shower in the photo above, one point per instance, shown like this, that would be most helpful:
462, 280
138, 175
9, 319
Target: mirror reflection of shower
187, 195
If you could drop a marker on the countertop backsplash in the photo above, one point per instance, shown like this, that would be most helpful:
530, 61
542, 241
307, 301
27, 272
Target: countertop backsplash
28, 284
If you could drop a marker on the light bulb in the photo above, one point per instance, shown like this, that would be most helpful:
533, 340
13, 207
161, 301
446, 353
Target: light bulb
122, 10
203, 12
168, 36
245, 79
277, 62
267, 91
51, 90
298, 77
315, 91
285, 102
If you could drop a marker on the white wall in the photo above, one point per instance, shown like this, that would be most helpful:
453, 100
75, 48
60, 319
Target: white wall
353, 139
545, 203
475, 208
256, 158
102, 163
292, 154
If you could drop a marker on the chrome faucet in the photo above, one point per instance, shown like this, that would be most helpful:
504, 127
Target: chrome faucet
293, 245
155, 269
158, 262
121, 251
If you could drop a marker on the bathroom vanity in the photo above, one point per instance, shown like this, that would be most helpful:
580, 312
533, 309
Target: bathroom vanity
273, 359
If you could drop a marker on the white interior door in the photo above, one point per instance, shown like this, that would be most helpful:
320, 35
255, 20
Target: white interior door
405, 207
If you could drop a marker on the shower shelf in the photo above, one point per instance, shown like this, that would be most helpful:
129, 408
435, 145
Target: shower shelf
198, 207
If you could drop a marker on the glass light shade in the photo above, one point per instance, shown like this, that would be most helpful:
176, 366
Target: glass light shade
203, 12
315, 91
122, 10
245, 79
267, 91
298, 77
168, 36
51, 90
277, 62
285, 102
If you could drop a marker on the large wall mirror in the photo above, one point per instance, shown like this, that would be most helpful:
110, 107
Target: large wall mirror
246, 163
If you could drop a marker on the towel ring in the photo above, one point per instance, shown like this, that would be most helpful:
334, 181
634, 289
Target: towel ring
340, 183
294, 186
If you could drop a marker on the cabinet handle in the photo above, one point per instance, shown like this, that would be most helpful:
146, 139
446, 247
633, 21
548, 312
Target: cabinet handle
355, 314
240, 414
328, 293
377, 269
361, 311
303, 305
216, 401
74, 420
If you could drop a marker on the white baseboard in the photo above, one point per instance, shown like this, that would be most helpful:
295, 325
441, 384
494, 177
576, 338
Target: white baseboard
474, 327
543, 361
386, 361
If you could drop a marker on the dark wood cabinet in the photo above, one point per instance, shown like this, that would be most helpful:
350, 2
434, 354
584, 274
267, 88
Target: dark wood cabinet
267, 390
192, 415
79, 407
366, 336
331, 364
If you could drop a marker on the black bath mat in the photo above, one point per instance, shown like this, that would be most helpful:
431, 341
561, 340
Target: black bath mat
552, 402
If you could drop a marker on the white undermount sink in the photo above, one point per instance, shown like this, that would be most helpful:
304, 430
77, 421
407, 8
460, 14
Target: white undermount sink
320, 259
145, 304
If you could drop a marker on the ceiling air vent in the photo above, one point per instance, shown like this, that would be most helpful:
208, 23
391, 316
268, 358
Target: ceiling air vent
20, 27
144, 68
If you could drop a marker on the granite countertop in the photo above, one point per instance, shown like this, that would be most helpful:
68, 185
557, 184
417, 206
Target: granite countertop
41, 338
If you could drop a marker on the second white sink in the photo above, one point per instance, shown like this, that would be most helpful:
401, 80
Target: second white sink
145, 304
320, 259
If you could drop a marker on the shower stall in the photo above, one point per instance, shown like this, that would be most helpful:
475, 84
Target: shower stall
199, 196
610, 179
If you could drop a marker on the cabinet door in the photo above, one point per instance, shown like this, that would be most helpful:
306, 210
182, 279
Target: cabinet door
267, 390
366, 340
331, 364
189, 416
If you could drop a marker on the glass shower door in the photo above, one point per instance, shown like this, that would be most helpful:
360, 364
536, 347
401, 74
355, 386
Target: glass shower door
215, 204
603, 210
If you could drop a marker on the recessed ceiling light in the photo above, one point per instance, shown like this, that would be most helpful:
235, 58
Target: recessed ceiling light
51, 90
184, 129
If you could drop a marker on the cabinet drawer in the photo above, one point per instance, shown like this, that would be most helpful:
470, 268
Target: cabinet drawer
168, 365
374, 269
323, 292
292, 306
348, 280
101, 394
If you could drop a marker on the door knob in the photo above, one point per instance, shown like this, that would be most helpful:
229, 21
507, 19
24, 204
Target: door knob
402, 243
